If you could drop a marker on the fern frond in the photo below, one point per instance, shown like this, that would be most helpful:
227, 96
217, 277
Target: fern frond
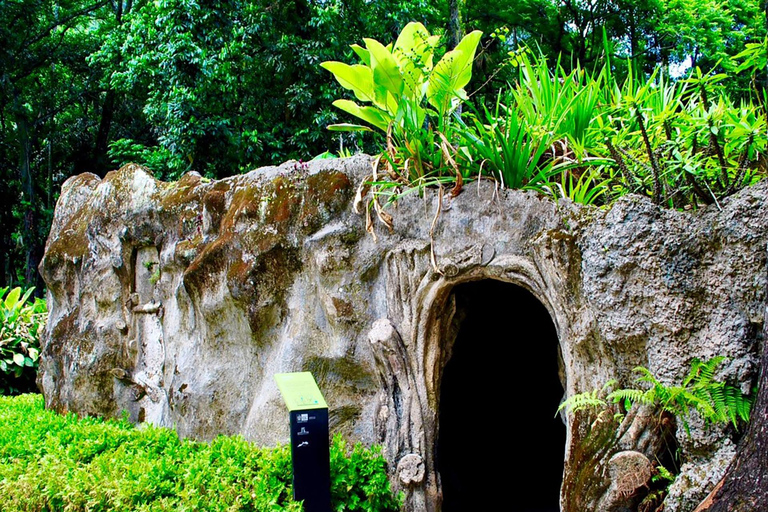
737, 406
663, 475
693, 372
608, 385
580, 401
707, 370
716, 402
630, 397
646, 376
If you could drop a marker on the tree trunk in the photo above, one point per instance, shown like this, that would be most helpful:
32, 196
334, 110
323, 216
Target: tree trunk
6, 220
32, 247
455, 25
100, 160
455, 30
744, 488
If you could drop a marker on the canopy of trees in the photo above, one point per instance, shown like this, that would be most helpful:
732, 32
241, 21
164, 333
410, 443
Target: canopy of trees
223, 86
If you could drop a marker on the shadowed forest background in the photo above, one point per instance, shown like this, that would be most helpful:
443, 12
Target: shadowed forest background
222, 87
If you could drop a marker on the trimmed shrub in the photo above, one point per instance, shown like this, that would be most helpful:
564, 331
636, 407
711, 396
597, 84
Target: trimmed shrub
50, 462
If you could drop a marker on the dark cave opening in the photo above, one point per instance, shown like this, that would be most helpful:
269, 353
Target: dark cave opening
499, 442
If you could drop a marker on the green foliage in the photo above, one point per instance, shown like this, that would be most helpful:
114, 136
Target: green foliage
153, 268
682, 143
396, 80
673, 34
538, 135
662, 475
410, 99
594, 399
504, 146
21, 323
222, 87
359, 479
588, 137
715, 401
53, 462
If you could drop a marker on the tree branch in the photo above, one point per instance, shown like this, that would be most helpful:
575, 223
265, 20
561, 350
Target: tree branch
50, 28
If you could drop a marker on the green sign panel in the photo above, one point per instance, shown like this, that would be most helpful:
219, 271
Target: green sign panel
300, 391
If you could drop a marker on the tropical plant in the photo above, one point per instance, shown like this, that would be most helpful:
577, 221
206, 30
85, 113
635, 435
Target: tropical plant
556, 101
21, 323
539, 131
504, 146
397, 79
715, 401
587, 188
682, 143
410, 99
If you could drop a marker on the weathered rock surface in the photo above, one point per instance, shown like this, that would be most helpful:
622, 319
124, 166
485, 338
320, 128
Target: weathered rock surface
177, 302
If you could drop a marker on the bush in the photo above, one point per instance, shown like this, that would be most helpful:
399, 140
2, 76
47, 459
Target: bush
21, 323
50, 462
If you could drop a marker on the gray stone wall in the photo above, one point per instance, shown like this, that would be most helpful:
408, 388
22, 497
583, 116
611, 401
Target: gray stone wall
177, 302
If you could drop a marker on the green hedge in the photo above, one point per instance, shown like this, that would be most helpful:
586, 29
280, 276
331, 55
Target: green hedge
50, 462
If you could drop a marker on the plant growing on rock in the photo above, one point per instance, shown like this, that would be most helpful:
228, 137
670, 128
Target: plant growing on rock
578, 134
410, 99
21, 323
681, 143
537, 135
717, 402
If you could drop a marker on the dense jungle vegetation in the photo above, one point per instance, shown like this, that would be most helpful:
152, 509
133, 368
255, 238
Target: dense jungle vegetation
585, 99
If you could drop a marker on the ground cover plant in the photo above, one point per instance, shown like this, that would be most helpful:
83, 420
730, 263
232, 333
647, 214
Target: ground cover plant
22, 320
52, 462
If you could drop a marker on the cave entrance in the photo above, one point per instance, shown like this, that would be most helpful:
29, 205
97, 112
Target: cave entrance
500, 446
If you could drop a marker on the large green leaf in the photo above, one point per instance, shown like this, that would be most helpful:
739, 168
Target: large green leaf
356, 78
365, 55
386, 73
440, 90
12, 298
413, 52
452, 73
372, 115
467, 46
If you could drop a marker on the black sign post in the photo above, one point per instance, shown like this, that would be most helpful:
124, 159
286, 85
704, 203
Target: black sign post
310, 451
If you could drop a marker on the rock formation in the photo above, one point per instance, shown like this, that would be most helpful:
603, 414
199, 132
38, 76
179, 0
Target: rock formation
177, 302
